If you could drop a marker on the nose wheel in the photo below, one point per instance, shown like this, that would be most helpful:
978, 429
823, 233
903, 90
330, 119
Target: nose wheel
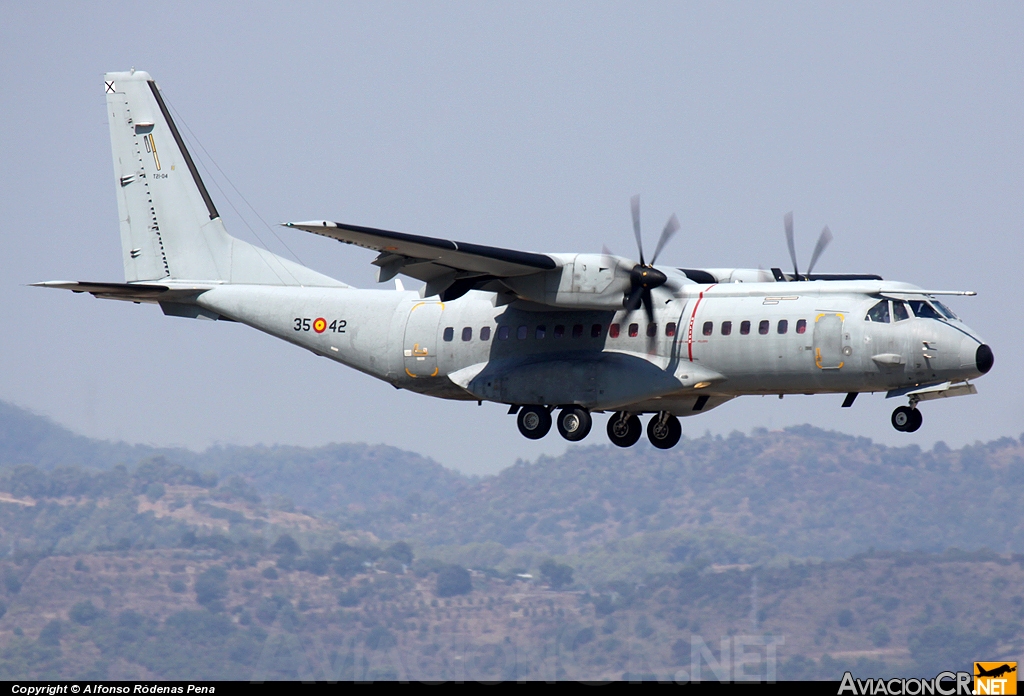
664, 430
534, 422
906, 419
624, 429
574, 423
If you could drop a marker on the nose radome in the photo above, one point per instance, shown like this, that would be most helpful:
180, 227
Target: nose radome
983, 358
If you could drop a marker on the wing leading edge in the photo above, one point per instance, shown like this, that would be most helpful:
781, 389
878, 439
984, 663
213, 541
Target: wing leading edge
438, 262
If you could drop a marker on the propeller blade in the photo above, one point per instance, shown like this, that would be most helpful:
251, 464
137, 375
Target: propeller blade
648, 305
671, 227
634, 205
823, 241
632, 302
792, 245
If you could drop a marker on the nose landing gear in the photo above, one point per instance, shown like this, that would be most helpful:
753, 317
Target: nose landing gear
906, 419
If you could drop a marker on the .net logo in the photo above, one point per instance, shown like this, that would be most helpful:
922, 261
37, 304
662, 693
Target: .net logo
995, 678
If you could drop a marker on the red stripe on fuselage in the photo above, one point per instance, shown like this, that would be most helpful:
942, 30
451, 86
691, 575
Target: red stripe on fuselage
689, 328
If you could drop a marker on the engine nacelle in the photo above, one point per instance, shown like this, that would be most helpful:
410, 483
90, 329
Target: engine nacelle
583, 281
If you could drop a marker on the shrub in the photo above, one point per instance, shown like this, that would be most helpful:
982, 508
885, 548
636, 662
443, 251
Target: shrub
880, 636
211, 587
84, 613
286, 544
50, 635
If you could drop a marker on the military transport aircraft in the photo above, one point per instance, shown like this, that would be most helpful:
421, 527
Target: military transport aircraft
576, 333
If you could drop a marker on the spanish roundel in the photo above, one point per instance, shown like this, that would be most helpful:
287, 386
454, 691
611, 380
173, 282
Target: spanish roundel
320, 325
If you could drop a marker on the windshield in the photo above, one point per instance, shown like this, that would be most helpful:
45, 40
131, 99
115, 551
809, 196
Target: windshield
945, 310
924, 310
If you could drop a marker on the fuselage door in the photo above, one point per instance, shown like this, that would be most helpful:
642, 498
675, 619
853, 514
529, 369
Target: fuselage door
421, 339
828, 341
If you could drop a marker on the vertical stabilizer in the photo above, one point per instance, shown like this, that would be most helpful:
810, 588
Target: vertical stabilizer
170, 227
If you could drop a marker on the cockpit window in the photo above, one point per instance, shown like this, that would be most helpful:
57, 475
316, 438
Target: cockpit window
924, 310
945, 310
879, 313
899, 311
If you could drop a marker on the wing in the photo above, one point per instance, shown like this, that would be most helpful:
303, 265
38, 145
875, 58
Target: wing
439, 262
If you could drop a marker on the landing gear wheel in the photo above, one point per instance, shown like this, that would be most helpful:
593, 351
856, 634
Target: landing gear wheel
664, 431
534, 422
624, 429
915, 421
574, 423
906, 419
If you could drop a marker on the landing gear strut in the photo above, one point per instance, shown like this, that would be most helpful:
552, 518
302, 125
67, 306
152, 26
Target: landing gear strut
664, 430
906, 419
624, 429
574, 423
534, 421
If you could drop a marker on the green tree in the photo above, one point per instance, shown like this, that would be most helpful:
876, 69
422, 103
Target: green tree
555, 574
212, 587
453, 580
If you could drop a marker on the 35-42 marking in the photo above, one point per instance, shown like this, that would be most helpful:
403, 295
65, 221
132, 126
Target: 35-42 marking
319, 325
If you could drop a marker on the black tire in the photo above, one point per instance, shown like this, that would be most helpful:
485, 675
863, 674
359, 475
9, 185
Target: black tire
664, 435
534, 422
915, 420
624, 429
574, 423
903, 418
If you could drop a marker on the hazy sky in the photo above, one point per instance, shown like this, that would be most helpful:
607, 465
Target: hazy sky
520, 125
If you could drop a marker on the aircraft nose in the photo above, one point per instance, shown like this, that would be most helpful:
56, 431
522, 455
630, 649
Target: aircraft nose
983, 358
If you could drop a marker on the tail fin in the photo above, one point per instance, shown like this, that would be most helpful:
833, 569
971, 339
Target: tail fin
170, 227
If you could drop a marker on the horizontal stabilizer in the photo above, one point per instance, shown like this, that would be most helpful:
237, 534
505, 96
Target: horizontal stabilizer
133, 292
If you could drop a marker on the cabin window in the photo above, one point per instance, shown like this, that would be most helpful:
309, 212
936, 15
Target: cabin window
670, 329
744, 327
801, 326
879, 313
541, 330
559, 331
762, 328
467, 333
783, 326
709, 326
596, 330
485, 333
503, 333
634, 329
652, 330
726, 328
449, 333
922, 309
899, 311
613, 330
521, 332
577, 331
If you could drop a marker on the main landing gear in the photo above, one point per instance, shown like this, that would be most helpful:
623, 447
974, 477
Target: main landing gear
575, 422
907, 419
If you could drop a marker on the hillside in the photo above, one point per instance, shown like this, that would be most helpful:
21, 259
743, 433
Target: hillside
354, 561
